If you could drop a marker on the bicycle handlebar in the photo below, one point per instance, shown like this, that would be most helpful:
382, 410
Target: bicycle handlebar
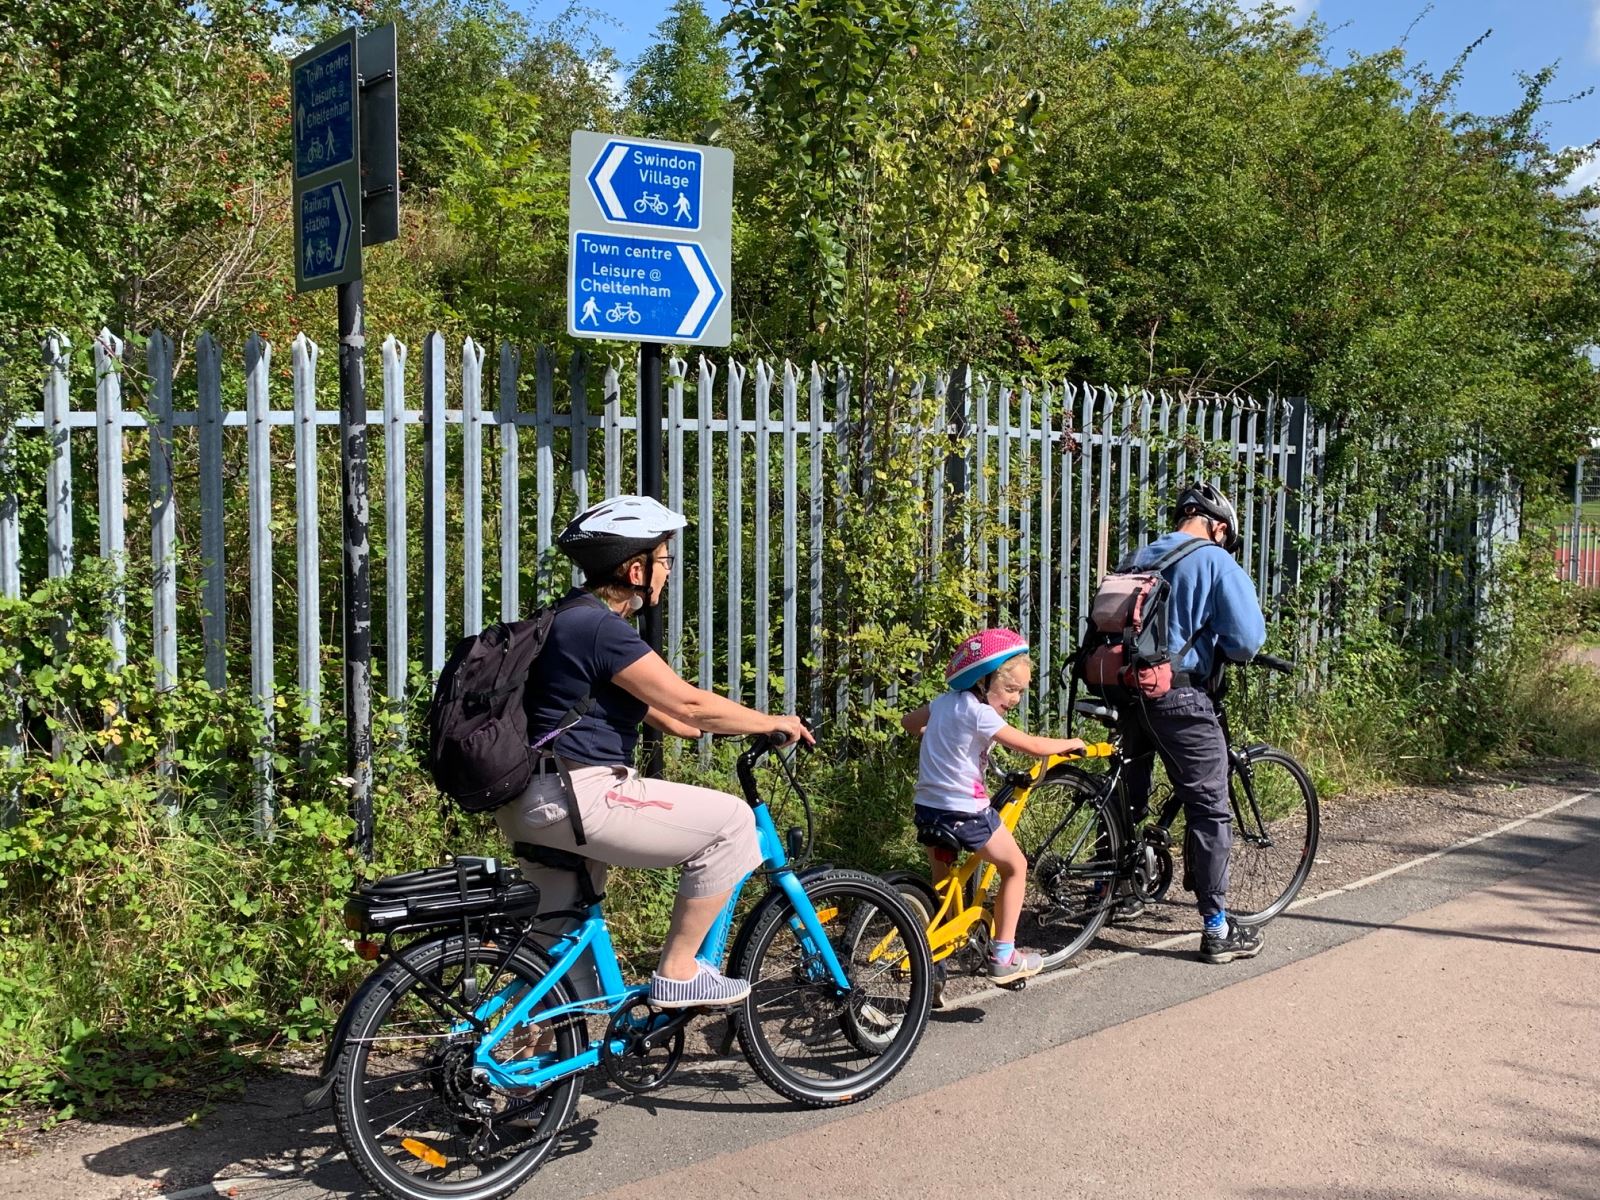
760, 745
1273, 663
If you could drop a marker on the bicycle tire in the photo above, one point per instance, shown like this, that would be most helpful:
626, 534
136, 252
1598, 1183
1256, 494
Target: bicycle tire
801, 1036
446, 1107
1270, 860
1074, 848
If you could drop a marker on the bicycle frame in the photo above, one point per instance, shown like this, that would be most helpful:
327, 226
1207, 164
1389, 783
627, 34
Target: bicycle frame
593, 937
950, 926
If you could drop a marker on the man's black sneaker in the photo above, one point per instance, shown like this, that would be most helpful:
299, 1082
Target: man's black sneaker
1127, 908
1237, 942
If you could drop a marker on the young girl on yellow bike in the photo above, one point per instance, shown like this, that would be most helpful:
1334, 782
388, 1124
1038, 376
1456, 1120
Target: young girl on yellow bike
987, 677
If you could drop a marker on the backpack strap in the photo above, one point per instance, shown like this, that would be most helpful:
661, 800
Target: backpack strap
570, 718
1177, 554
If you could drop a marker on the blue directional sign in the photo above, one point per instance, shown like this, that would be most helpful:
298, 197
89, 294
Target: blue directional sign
325, 231
643, 183
325, 98
328, 163
640, 288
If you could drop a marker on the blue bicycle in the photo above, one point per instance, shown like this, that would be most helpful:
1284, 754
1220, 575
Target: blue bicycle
459, 1062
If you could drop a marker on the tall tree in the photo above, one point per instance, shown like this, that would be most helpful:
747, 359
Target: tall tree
680, 86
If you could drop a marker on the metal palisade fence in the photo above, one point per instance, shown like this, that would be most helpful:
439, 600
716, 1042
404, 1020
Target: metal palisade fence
1045, 484
1578, 544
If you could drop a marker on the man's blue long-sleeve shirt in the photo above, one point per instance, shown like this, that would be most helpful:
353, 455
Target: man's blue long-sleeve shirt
1210, 589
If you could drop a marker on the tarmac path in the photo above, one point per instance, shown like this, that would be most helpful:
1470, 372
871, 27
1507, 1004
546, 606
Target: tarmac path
1431, 1031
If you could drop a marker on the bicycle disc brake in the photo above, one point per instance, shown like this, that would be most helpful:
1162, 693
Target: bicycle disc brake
651, 1047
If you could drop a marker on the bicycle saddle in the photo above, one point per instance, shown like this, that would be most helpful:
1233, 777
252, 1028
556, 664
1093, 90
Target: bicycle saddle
561, 860
1104, 713
938, 837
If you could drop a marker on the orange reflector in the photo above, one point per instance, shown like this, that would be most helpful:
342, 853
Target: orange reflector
368, 951
824, 915
423, 1151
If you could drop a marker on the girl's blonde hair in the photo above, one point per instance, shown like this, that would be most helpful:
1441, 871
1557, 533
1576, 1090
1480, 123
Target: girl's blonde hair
1008, 669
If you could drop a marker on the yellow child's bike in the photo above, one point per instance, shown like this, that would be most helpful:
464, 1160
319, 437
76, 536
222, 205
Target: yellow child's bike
1043, 807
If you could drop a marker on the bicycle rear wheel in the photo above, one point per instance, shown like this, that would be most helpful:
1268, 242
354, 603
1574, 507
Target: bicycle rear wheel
811, 1042
1275, 828
413, 1118
1073, 848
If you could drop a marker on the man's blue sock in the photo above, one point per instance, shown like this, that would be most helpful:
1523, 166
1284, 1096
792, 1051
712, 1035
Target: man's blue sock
1217, 922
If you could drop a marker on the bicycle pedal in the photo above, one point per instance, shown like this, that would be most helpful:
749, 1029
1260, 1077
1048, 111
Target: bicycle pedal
1016, 985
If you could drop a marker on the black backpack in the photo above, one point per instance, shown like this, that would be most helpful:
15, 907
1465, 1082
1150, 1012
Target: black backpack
478, 751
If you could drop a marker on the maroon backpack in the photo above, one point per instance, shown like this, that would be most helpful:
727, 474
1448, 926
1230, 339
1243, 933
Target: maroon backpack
1124, 645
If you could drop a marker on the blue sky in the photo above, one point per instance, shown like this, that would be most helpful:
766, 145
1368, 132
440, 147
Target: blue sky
1527, 35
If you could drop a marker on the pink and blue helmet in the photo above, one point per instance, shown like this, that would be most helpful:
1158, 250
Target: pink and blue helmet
980, 654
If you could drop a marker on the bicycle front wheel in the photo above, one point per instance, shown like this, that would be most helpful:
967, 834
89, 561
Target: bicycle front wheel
810, 1041
413, 1117
1275, 828
1073, 846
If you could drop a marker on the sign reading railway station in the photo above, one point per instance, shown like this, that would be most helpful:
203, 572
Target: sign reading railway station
650, 240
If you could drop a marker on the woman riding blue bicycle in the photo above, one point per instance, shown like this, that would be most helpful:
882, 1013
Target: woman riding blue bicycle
623, 547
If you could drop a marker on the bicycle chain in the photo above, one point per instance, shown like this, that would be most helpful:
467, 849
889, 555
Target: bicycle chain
576, 1119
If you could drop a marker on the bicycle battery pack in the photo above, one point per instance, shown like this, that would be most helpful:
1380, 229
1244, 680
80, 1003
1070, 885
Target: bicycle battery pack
464, 888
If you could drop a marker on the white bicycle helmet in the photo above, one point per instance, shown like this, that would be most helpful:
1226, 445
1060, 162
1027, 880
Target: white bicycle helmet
601, 538
1200, 499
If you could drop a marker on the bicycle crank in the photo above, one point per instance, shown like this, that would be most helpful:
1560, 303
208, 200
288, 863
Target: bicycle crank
651, 1046
1152, 870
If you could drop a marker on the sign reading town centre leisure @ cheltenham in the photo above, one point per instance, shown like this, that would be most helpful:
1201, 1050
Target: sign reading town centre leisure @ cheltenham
649, 230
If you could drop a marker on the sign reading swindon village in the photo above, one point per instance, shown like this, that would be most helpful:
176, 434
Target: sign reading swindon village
649, 240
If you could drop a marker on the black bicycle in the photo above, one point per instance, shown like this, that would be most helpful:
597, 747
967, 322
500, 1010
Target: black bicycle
1089, 854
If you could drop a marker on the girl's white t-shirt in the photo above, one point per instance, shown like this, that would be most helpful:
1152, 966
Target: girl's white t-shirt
955, 753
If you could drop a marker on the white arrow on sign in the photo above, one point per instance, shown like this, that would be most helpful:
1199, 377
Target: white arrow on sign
342, 234
707, 290
602, 181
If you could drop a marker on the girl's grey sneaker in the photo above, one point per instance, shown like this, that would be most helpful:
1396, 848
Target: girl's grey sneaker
1022, 964
710, 988
1234, 942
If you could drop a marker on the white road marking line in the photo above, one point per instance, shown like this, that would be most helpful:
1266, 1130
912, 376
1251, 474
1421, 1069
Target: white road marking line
1071, 972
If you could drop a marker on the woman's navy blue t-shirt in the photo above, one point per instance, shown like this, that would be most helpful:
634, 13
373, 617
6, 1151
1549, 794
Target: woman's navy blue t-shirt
588, 644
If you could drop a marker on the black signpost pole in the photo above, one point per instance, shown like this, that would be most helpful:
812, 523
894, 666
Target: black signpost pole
357, 560
650, 485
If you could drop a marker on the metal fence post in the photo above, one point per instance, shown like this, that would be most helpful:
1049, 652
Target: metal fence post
108, 428
308, 540
258, 365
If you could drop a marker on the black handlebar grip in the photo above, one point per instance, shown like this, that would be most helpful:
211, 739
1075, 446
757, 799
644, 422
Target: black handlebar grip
1274, 663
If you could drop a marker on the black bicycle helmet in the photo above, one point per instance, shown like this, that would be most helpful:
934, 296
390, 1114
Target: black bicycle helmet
1200, 499
600, 539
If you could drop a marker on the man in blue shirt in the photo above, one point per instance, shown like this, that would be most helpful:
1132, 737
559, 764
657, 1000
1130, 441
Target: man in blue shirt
1212, 616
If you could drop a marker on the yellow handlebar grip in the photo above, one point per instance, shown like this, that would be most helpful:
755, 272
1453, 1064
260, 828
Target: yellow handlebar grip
1092, 750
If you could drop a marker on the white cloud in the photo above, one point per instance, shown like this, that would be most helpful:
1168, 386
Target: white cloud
1585, 173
